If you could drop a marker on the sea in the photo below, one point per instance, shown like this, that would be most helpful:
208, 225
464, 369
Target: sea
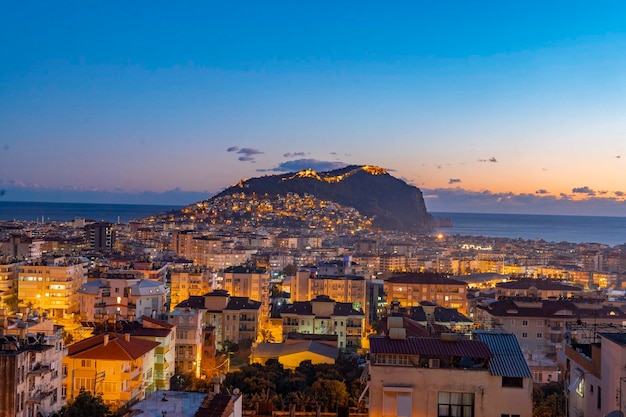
551, 228
62, 212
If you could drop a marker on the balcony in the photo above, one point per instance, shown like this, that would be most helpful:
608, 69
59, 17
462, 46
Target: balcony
131, 305
247, 329
39, 369
39, 395
556, 330
100, 305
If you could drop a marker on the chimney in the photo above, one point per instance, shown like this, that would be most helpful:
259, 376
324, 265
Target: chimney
106, 340
127, 337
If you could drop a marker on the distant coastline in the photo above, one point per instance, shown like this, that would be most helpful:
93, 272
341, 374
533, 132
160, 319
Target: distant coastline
552, 228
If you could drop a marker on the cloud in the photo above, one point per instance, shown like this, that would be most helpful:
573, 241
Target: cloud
300, 164
619, 193
459, 200
583, 190
293, 154
248, 153
542, 191
454, 180
492, 159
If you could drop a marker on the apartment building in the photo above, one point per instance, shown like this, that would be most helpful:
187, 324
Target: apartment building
540, 326
52, 285
188, 348
595, 376
540, 288
448, 376
411, 289
120, 295
305, 286
250, 282
164, 334
188, 281
232, 319
31, 355
120, 367
8, 284
323, 315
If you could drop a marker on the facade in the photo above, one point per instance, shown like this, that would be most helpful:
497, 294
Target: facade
8, 283
595, 376
540, 326
100, 235
52, 286
324, 315
448, 377
232, 319
120, 367
539, 288
189, 324
250, 282
121, 296
188, 281
164, 361
306, 286
30, 365
411, 289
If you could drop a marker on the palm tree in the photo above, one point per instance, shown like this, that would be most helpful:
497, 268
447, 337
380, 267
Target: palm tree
266, 335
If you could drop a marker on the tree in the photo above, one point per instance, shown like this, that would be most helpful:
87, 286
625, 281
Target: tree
548, 400
86, 404
68, 338
329, 392
266, 335
290, 270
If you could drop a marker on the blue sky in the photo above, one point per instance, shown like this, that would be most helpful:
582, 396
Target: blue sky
486, 106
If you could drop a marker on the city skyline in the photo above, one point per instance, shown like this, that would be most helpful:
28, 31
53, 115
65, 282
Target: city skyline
485, 107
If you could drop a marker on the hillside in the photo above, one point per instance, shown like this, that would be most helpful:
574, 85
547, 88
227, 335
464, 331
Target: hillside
390, 203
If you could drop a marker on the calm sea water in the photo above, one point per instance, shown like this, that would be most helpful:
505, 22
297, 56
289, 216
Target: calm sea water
69, 211
577, 229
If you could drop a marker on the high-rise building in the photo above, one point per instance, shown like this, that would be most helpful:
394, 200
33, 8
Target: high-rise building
101, 235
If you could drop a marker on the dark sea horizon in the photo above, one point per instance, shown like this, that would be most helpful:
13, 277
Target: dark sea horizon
551, 228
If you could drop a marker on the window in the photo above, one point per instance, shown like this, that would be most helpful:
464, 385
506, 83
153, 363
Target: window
539, 335
599, 399
397, 401
512, 382
540, 323
524, 335
524, 322
512, 322
455, 404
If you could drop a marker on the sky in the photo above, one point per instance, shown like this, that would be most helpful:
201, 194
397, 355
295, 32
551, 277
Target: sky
486, 106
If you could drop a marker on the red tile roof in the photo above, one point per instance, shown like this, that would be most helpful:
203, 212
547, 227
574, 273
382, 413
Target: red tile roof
429, 347
117, 348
